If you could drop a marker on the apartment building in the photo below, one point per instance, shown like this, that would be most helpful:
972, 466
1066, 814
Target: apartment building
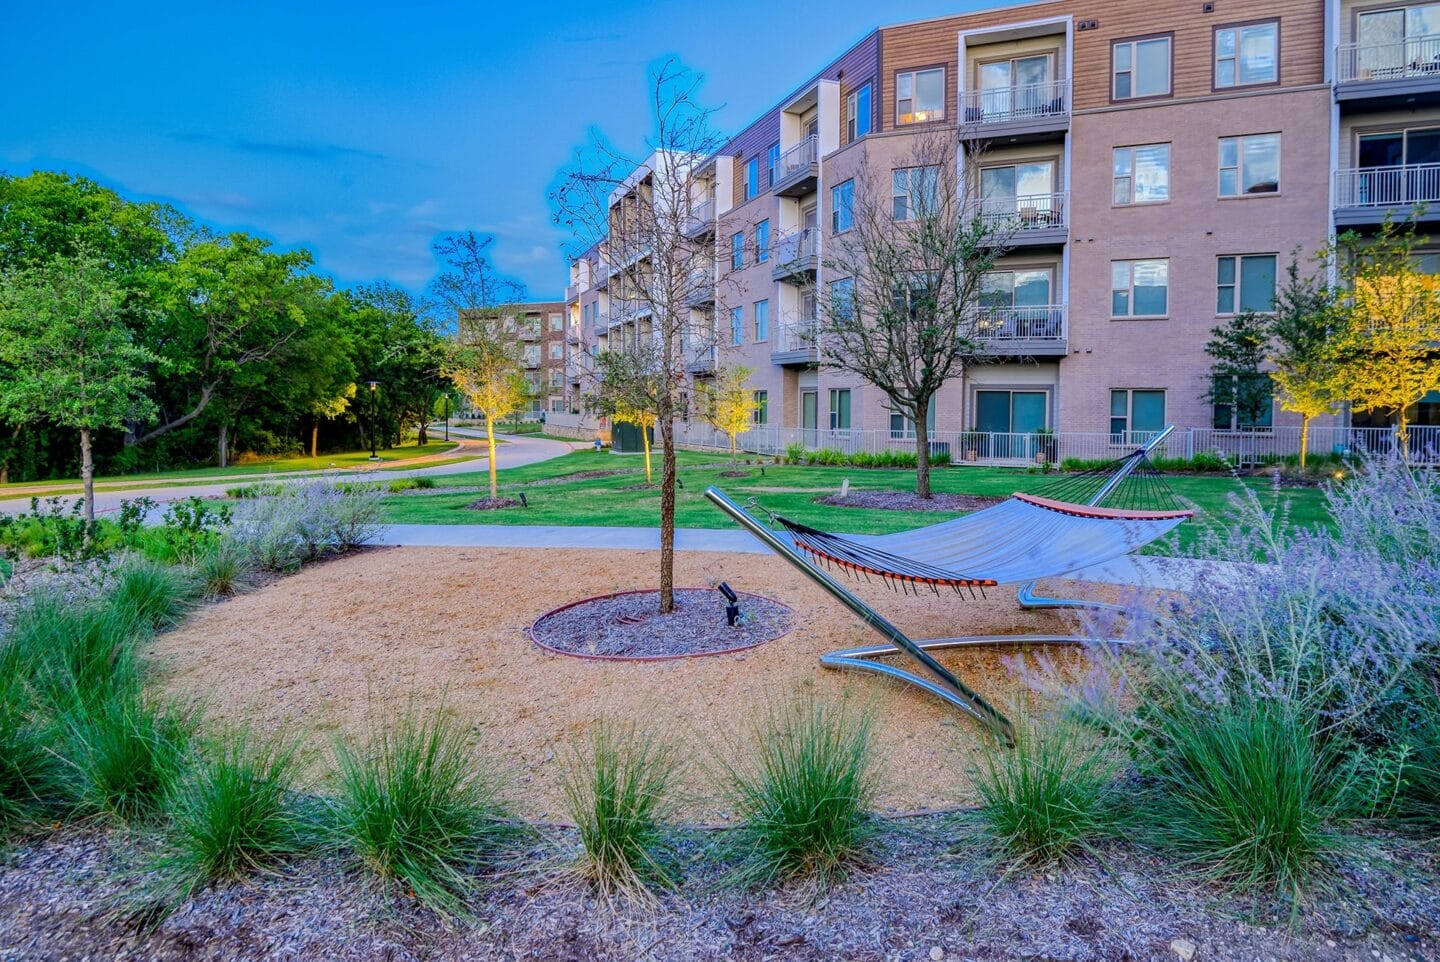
547, 344
1154, 164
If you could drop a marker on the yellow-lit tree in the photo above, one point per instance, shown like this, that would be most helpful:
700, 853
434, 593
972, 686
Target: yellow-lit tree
728, 404
484, 364
1307, 369
1388, 338
643, 419
326, 409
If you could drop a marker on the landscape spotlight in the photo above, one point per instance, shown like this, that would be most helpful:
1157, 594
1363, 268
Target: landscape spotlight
524, 502
732, 603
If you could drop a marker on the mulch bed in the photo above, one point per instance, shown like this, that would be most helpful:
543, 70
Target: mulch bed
907, 501
641, 487
492, 504
628, 625
578, 476
734, 474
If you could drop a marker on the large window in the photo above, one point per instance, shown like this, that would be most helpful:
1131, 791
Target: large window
762, 320
842, 207
737, 251
840, 409
752, 177
557, 323
762, 241
772, 159
920, 96
857, 113
842, 298
1142, 174
1245, 282
1139, 288
1249, 165
1135, 411
1247, 54
737, 325
1243, 403
1140, 68
557, 351
1018, 87
1016, 288
761, 412
1399, 41
1010, 412
916, 190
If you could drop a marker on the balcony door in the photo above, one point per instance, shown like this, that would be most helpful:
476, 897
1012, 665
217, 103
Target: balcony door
1010, 418
1399, 166
1018, 303
1399, 42
1018, 87
1024, 192
809, 417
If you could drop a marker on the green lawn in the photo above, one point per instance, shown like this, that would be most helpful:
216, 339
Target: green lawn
603, 501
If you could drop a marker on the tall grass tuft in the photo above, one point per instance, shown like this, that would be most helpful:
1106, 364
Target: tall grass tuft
73, 653
618, 797
234, 812
1051, 794
222, 570
158, 595
806, 799
417, 808
31, 781
125, 753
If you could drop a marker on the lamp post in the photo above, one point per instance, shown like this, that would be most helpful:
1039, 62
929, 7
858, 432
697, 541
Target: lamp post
374, 387
447, 417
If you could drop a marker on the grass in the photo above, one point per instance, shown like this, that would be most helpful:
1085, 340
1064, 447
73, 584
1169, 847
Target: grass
603, 500
158, 595
222, 570
125, 754
31, 779
417, 808
617, 796
806, 800
72, 654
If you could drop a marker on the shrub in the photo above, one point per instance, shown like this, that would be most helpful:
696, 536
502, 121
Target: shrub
158, 595
416, 808
124, 753
805, 801
1051, 793
424, 482
223, 570
306, 521
829, 457
617, 797
233, 813
795, 453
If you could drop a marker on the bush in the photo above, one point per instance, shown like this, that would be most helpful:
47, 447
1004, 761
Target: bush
617, 797
1053, 792
416, 808
805, 803
158, 595
304, 522
233, 813
424, 482
124, 753
795, 453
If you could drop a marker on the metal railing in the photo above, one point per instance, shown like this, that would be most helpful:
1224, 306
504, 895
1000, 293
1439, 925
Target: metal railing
1025, 211
701, 217
1397, 60
796, 160
1042, 322
792, 250
1387, 186
1021, 102
797, 335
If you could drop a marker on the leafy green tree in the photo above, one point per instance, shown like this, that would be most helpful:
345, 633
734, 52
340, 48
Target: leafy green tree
398, 346
1237, 350
484, 363
1307, 366
70, 358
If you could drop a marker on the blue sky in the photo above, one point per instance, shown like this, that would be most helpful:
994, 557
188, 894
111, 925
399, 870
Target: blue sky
362, 130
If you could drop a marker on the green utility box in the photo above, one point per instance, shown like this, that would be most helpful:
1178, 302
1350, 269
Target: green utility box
625, 439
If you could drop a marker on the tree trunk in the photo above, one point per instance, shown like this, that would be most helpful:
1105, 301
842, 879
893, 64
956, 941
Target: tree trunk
87, 484
922, 452
422, 438
667, 507
314, 437
222, 445
1402, 435
490, 441
734, 454
1304, 440
645, 443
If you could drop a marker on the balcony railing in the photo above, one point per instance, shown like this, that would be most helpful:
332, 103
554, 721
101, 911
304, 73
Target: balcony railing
799, 335
796, 160
1398, 60
1387, 186
1039, 322
792, 251
1025, 212
701, 217
1023, 102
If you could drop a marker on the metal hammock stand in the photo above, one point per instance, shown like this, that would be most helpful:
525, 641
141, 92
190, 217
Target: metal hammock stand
1083, 519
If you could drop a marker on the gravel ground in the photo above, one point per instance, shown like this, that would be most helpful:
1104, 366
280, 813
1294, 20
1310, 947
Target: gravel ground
924, 898
629, 625
907, 501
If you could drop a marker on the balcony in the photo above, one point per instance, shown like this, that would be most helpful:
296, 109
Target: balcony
602, 277
798, 170
1027, 220
572, 291
531, 361
701, 221
1364, 195
1026, 331
796, 256
797, 343
705, 363
1023, 114
530, 332
700, 289
1397, 75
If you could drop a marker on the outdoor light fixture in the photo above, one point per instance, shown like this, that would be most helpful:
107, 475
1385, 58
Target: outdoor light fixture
374, 387
732, 603
524, 502
679, 484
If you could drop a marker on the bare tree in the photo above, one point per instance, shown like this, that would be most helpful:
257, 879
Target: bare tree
469, 281
641, 212
904, 309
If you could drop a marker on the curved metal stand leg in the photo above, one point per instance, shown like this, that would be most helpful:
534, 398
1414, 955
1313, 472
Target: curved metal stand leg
1027, 598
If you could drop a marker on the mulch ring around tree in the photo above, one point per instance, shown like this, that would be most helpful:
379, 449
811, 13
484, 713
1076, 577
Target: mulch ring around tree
492, 504
628, 625
907, 501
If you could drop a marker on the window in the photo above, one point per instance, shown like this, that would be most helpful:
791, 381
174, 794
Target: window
840, 409
1010, 412
762, 320
772, 160
857, 113
915, 191
762, 241
737, 251
920, 96
1142, 174
842, 207
1139, 288
752, 177
557, 323
842, 298
1243, 403
1245, 283
737, 326
1135, 412
1247, 55
1140, 68
1015, 88
902, 427
557, 351
1249, 165
761, 412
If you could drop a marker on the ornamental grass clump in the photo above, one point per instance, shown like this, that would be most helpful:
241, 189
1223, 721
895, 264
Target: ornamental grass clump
73, 653
618, 795
222, 570
418, 808
806, 799
157, 595
32, 784
124, 753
